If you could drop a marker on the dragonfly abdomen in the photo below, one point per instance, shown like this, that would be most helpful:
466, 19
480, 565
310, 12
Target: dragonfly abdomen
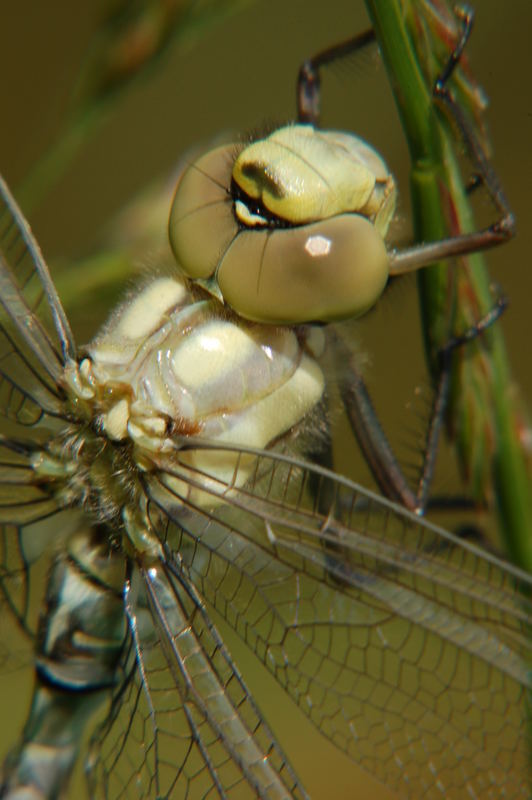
80, 637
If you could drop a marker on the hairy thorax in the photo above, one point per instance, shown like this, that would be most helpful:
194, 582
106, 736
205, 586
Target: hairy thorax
169, 370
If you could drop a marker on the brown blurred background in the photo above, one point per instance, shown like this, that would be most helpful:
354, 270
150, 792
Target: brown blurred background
237, 76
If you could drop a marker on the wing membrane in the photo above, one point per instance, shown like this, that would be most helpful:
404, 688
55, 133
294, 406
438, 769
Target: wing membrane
23, 499
35, 338
24, 504
406, 646
190, 721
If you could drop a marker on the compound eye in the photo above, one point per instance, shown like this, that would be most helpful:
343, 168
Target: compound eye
202, 223
291, 231
329, 270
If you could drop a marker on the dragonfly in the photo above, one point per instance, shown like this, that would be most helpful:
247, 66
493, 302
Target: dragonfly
167, 459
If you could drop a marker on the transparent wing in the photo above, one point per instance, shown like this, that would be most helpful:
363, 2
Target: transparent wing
184, 723
24, 505
23, 499
405, 645
35, 338
35, 343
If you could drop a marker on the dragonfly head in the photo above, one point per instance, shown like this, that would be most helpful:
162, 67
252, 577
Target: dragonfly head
290, 229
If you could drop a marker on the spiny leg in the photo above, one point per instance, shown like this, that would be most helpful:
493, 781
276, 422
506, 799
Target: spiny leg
370, 435
308, 81
442, 393
413, 258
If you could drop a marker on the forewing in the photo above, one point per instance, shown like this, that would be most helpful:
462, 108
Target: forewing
183, 724
35, 338
405, 645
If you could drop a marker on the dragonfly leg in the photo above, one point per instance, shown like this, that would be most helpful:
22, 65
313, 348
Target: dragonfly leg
484, 171
308, 80
367, 428
442, 393
412, 258
370, 435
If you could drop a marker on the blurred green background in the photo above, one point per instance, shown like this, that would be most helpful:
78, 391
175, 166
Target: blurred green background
238, 76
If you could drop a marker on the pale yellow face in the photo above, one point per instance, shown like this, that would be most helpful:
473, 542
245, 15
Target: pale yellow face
291, 230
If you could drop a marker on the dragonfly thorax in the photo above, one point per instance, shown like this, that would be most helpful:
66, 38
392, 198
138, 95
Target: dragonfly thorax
167, 370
